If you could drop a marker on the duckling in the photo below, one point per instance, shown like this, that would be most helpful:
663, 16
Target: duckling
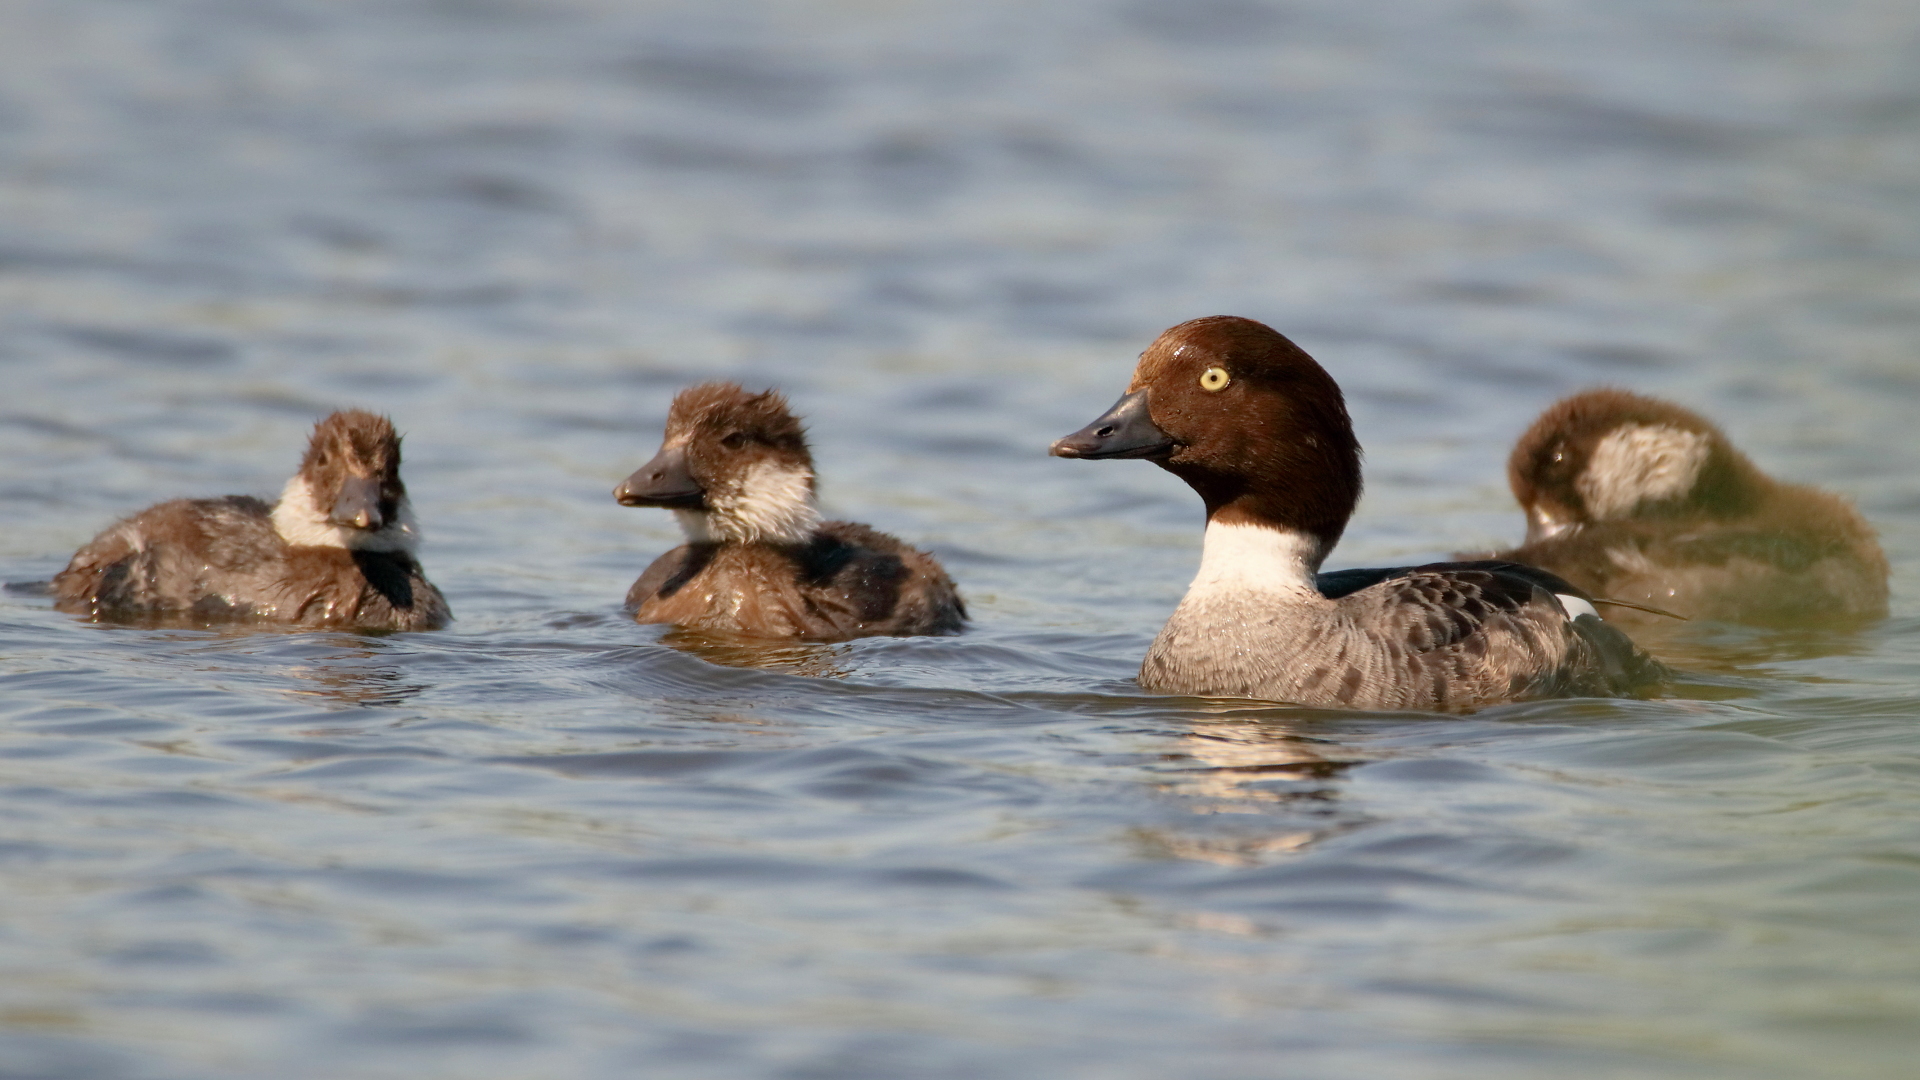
337, 549
1639, 499
735, 470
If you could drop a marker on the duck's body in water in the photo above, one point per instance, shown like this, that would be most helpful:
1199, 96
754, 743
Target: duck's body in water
1638, 499
337, 549
1260, 432
735, 469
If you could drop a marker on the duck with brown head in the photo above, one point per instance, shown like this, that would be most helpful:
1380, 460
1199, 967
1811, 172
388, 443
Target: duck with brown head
1638, 499
336, 550
736, 471
1261, 433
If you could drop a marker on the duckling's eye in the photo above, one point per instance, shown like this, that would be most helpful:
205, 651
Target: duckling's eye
734, 441
1214, 379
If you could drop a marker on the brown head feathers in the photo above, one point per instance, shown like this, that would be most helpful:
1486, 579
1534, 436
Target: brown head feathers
348, 492
725, 416
1262, 430
354, 444
734, 466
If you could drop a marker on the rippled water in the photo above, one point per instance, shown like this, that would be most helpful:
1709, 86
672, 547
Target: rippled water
547, 842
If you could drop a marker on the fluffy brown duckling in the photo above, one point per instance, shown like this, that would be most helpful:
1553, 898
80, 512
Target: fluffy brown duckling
735, 470
1637, 499
335, 550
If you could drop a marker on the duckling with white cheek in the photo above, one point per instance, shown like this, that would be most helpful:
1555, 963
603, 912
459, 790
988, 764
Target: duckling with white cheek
1260, 432
735, 470
1638, 499
337, 549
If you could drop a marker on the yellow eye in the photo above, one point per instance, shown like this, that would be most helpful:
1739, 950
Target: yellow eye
1214, 378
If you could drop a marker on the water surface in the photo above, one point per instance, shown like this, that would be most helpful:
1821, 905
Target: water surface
548, 842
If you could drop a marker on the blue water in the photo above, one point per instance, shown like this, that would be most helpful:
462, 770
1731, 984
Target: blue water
547, 842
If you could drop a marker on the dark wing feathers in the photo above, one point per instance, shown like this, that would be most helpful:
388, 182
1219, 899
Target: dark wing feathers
1495, 630
848, 581
1443, 605
670, 573
1334, 584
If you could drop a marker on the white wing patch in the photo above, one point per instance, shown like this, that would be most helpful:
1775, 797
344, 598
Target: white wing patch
1640, 463
1575, 606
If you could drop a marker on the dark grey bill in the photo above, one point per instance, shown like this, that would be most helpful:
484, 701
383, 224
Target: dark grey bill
664, 481
1124, 431
358, 505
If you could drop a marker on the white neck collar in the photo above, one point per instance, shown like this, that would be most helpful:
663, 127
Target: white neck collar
1257, 558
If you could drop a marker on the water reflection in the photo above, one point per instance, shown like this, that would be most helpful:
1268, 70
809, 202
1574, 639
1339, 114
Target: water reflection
341, 666
1718, 648
350, 677
1263, 767
807, 658
1254, 762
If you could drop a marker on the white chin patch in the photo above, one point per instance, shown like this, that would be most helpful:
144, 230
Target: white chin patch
1641, 463
771, 503
301, 524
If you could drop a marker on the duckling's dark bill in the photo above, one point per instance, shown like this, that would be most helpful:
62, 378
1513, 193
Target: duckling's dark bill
665, 481
358, 505
1125, 431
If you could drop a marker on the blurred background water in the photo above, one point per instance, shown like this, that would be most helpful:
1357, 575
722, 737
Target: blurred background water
548, 842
